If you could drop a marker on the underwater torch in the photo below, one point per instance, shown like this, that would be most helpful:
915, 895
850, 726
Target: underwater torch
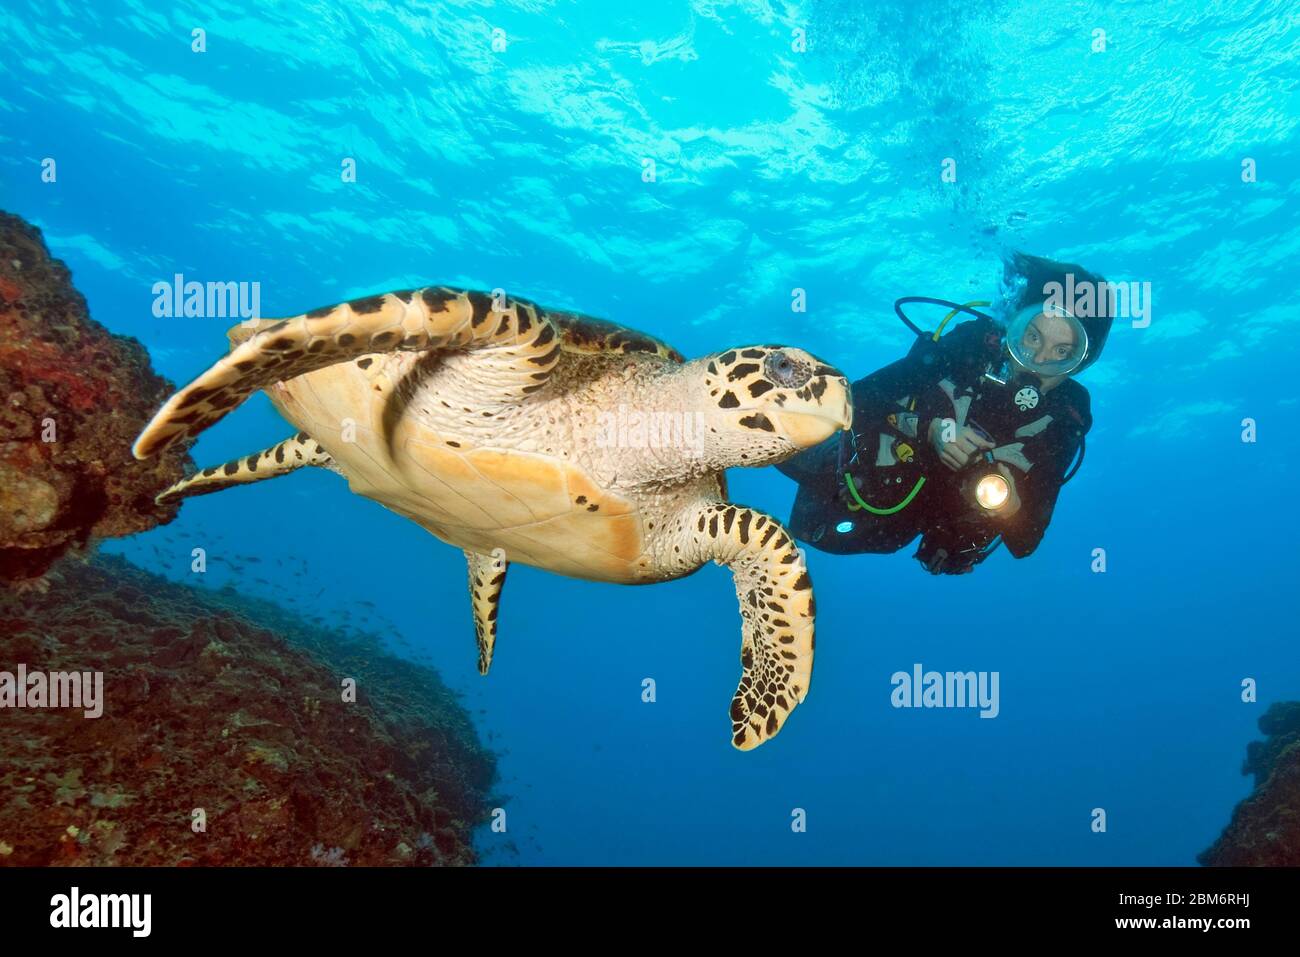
986, 485
992, 490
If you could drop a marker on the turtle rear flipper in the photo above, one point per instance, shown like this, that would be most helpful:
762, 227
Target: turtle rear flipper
776, 603
416, 321
280, 459
487, 573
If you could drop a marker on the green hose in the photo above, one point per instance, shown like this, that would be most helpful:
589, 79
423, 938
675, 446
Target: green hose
853, 490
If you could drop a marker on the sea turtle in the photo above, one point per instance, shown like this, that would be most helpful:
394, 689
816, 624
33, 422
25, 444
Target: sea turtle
524, 434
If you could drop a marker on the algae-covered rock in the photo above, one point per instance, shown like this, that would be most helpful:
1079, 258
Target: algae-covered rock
229, 711
72, 399
1265, 827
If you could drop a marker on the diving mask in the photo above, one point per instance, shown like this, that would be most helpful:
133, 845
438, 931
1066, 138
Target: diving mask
1046, 340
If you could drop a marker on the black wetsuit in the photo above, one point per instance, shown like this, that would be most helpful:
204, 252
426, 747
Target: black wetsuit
1037, 436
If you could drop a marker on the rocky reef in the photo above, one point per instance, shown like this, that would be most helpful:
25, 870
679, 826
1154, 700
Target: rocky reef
231, 707
1265, 827
72, 399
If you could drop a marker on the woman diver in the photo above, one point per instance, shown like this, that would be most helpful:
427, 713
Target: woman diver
967, 440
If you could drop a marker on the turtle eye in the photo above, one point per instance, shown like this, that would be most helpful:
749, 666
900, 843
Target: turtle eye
785, 370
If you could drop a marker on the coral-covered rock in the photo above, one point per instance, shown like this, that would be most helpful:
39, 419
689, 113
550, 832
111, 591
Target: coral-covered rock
72, 399
1265, 828
234, 707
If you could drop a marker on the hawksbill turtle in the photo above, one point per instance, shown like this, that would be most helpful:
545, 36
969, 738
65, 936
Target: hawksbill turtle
504, 429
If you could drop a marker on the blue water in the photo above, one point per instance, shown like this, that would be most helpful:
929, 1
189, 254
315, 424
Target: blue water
775, 169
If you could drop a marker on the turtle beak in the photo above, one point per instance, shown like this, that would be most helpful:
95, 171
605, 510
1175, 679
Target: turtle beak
809, 422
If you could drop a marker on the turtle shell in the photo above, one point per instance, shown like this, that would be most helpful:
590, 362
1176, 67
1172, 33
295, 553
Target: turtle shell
541, 509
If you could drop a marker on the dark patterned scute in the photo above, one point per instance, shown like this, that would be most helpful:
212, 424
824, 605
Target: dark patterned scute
367, 305
600, 335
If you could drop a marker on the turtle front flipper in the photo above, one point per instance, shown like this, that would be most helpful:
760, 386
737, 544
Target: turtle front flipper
280, 459
777, 608
487, 574
421, 320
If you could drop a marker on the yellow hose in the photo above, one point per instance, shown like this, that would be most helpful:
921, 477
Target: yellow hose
974, 302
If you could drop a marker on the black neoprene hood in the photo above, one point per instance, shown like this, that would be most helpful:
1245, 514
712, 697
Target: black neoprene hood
1037, 272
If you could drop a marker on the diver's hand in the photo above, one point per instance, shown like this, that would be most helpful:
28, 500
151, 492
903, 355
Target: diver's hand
956, 454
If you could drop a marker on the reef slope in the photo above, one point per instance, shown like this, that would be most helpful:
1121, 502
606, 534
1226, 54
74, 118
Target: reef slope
1265, 827
231, 706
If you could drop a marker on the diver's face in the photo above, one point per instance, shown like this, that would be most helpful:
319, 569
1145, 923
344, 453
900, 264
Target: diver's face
1047, 339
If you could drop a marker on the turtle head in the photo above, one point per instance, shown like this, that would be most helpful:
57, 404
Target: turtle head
765, 403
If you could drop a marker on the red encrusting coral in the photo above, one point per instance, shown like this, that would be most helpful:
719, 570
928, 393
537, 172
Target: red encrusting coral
72, 398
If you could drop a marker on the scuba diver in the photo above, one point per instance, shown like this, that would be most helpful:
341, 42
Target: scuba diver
968, 439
